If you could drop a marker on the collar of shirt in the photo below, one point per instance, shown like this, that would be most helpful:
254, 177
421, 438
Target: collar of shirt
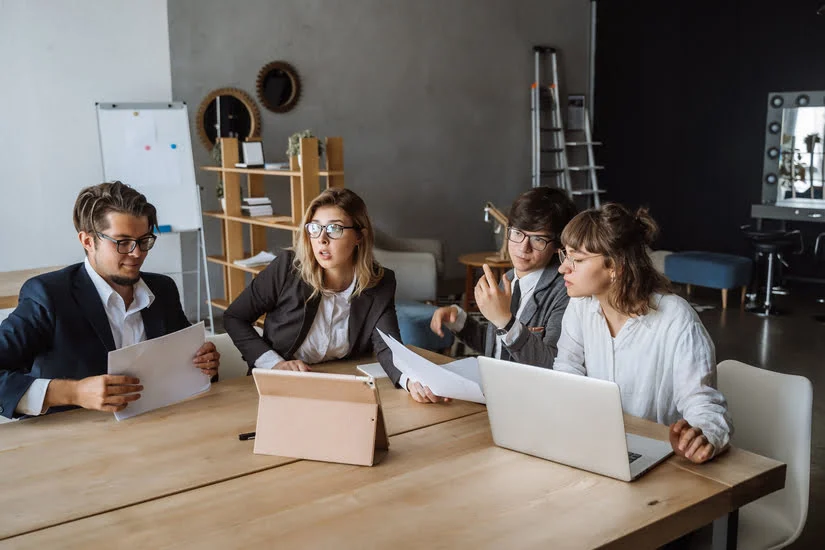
143, 296
528, 282
594, 306
344, 294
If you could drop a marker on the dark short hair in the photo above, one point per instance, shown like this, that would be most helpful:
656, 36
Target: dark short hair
94, 203
543, 209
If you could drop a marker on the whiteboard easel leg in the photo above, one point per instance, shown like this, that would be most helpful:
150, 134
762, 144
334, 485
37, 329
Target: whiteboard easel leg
206, 281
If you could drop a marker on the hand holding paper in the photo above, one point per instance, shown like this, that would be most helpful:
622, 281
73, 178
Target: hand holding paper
458, 380
164, 367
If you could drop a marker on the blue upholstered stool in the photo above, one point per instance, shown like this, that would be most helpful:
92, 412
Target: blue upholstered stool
710, 269
414, 322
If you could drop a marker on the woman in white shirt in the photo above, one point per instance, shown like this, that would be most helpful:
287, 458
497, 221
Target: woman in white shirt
622, 324
324, 301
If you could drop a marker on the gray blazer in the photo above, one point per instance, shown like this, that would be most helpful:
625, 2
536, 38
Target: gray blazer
541, 323
280, 293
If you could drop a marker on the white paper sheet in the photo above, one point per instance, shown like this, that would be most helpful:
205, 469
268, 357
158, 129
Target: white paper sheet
458, 380
164, 367
373, 369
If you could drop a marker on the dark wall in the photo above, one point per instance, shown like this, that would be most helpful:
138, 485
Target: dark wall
680, 102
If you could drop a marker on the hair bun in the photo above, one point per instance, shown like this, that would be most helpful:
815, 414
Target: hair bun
647, 226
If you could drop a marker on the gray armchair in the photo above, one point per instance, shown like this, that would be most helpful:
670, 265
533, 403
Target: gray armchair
418, 265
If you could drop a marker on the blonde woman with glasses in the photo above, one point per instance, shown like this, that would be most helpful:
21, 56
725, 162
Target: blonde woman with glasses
325, 300
623, 325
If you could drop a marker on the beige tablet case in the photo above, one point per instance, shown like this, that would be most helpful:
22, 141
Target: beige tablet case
319, 416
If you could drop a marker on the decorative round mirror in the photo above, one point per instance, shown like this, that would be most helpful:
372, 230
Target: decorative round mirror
227, 112
279, 86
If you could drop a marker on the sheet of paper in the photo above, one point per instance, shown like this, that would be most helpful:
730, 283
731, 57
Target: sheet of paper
442, 381
373, 369
467, 368
164, 367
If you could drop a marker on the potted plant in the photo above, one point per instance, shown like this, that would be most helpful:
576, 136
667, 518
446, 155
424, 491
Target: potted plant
294, 148
216, 156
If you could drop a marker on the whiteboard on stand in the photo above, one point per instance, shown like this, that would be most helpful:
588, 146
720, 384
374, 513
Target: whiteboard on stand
148, 146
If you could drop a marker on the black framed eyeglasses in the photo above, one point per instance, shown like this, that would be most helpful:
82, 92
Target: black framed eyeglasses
126, 246
333, 230
537, 242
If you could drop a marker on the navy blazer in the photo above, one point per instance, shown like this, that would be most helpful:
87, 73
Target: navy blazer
60, 330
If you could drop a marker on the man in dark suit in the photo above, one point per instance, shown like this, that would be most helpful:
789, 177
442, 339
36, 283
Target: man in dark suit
54, 346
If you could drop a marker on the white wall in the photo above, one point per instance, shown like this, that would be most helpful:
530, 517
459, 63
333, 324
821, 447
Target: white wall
57, 58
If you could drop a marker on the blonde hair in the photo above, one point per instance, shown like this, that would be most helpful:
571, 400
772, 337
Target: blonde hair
367, 271
622, 238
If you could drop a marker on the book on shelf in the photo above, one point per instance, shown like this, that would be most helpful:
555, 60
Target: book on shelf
257, 210
255, 201
261, 258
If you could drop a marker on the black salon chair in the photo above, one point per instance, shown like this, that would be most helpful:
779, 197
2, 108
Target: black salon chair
819, 257
773, 246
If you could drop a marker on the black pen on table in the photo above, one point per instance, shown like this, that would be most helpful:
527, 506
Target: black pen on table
246, 436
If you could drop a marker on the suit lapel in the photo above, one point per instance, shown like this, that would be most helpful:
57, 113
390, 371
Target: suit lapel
310, 311
154, 322
548, 275
358, 310
88, 301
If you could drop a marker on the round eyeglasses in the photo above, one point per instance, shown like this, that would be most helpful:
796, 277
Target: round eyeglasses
126, 246
333, 230
537, 242
564, 257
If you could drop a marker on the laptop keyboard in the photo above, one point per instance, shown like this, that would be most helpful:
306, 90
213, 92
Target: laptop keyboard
633, 456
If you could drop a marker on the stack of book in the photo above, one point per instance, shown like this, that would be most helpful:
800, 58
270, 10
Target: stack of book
256, 206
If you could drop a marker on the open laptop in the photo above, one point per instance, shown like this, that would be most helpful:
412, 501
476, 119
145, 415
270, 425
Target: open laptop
566, 418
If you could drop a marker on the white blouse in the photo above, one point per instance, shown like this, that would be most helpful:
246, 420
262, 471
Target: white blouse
664, 362
328, 337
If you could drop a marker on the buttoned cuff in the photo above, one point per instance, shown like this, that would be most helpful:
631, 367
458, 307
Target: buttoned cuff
512, 335
268, 360
460, 320
32, 402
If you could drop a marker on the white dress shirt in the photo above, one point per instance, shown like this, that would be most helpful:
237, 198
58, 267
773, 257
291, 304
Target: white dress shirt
664, 362
328, 337
527, 285
126, 324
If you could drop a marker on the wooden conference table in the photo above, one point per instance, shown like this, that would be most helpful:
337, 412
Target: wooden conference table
179, 477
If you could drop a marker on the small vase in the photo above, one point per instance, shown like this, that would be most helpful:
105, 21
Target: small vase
300, 161
223, 204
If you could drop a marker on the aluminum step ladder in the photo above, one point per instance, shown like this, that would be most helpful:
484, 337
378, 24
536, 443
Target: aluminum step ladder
551, 157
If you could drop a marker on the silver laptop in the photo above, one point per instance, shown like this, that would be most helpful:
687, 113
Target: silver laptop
570, 419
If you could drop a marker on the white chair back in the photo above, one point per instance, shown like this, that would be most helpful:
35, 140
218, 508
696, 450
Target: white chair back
771, 414
232, 364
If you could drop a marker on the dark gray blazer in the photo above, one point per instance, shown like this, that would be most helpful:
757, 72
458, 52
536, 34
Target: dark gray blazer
543, 315
280, 293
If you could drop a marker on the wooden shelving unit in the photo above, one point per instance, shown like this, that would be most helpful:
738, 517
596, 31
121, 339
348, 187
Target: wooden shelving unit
304, 179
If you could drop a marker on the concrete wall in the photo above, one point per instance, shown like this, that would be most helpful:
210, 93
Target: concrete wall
430, 96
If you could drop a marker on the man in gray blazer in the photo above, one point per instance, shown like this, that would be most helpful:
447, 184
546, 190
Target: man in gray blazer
523, 310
